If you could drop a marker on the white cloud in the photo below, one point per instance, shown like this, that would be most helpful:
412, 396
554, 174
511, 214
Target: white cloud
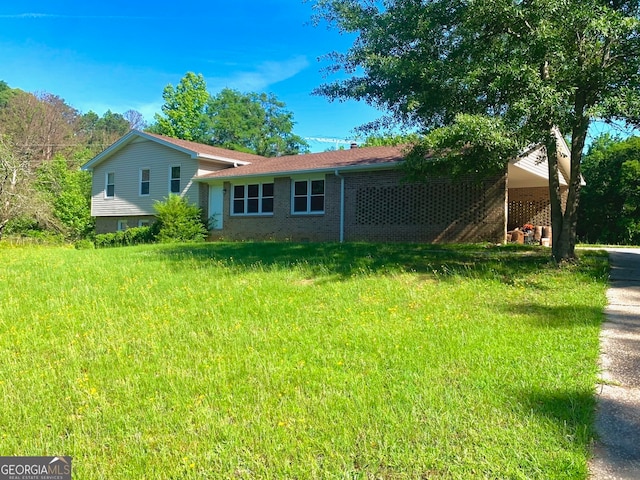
34, 15
260, 79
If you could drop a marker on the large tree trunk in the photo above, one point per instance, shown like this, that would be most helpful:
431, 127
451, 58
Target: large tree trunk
564, 223
555, 197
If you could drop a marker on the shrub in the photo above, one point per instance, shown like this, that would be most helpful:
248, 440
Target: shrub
84, 244
179, 221
131, 236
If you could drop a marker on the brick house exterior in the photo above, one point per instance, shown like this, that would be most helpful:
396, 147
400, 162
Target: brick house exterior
345, 195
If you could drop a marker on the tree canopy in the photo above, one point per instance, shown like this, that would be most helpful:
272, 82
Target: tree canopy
503, 72
610, 204
184, 110
249, 122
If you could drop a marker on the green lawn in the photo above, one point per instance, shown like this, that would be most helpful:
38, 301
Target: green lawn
280, 360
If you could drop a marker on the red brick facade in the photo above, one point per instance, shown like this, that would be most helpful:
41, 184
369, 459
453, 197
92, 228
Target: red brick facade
378, 206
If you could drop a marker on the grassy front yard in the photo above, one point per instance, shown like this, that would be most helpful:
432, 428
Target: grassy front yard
300, 361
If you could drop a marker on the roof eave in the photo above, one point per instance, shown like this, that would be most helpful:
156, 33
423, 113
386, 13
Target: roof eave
226, 161
290, 173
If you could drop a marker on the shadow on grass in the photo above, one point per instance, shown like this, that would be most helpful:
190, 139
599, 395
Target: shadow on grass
572, 411
506, 264
558, 316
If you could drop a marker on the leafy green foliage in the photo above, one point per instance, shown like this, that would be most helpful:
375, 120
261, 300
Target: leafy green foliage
610, 205
472, 144
179, 221
534, 65
43, 143
130, 236
84, 244
19, 199
100, 132
391, 140
184, 110
69, 191
248, 122
6, 92
255, 123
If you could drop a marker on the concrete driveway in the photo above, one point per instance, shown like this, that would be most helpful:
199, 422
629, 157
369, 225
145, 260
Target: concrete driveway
617, 452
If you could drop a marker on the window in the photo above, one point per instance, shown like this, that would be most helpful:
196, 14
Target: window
308, 196
253, 199
110, 185
145, 177
122, 225
144, 222
174, 179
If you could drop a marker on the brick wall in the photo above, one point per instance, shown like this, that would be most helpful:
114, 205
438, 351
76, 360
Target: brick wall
203, 199
531, 205
380, 207
282, 225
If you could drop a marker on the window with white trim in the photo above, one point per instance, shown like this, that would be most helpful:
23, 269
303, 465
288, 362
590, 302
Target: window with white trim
123, 225
145, 181
110, 185
144, 222
308, 196
252, 199
174, 179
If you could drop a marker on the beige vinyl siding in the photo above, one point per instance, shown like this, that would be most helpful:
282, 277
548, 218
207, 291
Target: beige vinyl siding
206, 167
126, 165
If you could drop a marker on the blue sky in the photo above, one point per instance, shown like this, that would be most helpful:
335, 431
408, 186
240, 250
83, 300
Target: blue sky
119, 55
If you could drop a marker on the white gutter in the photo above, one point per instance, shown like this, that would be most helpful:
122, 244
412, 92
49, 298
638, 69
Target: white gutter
337, 174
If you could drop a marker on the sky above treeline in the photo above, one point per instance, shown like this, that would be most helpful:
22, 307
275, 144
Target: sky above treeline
119, 55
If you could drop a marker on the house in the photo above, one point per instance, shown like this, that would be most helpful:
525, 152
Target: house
343, 195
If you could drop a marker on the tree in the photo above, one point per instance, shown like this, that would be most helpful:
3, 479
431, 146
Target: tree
184, 110
507, 71
135, 119
68, 191
100, 132
18, 198
249, 122
392, 140
38, 126
254, 123
6, 92
610, 202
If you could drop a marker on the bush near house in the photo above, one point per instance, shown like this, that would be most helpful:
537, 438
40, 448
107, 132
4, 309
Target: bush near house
130, 236
179, 221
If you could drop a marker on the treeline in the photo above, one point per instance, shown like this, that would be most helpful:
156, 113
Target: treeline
610, 201
43, 143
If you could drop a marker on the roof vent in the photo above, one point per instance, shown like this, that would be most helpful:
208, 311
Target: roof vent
354, 145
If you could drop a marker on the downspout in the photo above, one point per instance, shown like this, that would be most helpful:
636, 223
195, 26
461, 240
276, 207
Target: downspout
337, 174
